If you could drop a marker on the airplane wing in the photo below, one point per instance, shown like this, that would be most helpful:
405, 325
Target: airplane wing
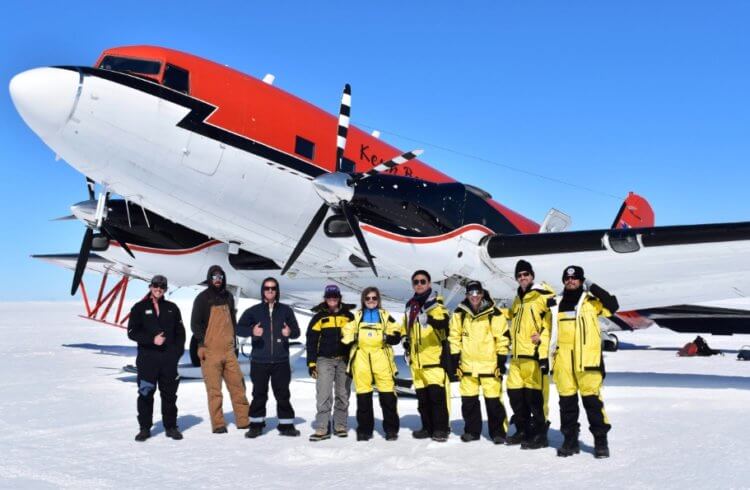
96, 263
645, 267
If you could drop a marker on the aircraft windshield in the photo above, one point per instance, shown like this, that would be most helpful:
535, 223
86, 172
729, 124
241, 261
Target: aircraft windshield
130, 65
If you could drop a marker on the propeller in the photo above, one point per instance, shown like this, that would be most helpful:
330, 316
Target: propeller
100, 224
336, 189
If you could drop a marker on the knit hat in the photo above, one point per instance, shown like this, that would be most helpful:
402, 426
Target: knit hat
574, 271
332, 291
474, 286
159, 280
523, 266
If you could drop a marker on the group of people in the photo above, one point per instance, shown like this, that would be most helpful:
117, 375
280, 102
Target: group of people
348, 345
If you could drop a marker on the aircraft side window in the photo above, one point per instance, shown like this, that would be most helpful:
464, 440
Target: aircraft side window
305, 148
176, 78
117, 63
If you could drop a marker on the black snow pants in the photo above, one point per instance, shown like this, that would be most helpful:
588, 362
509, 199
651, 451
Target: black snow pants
157, 368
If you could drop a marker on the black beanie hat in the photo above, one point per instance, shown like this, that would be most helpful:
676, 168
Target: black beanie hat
574, 271
523, 266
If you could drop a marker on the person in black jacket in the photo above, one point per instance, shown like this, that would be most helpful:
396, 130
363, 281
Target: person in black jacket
272, 324
213, 325
156, 324
327, 359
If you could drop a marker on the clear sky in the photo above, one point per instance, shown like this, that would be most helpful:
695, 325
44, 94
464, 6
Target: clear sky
609, 97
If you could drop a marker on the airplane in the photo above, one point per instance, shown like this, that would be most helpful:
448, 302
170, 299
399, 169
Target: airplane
214, 166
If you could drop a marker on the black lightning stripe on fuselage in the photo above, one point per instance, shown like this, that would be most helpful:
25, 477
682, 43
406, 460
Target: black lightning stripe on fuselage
195, 120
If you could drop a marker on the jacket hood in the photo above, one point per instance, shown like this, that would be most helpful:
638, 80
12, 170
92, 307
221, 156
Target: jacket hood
213, 270
278, 289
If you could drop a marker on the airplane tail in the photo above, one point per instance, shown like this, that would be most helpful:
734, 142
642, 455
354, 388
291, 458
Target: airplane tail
635, 212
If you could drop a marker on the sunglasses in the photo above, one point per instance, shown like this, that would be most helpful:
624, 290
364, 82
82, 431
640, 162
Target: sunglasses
371, 298
474, 293
417, 282
522, 274
269, 288
159, 286
571, 278
217, 277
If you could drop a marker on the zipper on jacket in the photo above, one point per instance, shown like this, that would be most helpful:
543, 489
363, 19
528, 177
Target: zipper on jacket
270, 314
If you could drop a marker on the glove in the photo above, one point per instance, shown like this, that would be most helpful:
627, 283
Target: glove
456, 374
407, 345
501, 369
422, 319
313, 371
544, 366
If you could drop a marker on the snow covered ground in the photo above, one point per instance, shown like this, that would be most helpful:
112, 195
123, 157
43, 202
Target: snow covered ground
67, 419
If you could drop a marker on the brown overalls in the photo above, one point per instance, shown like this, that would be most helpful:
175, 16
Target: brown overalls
221, 362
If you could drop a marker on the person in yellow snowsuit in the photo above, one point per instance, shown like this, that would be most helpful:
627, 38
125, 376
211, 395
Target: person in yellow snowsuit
528, 380
425, 332
578, 364
479, 340
371, 334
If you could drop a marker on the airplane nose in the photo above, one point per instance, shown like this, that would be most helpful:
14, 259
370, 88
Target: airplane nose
45, 98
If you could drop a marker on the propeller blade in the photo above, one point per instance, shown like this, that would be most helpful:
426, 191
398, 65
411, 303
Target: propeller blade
115, 235
409, 155
306, 236
69, 217
354, 225
83, 258
90, 185
344, 114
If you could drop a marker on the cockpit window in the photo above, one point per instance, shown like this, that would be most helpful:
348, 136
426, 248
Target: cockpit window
130, 65
176, 78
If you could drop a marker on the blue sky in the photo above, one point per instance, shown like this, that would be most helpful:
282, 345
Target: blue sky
610, 97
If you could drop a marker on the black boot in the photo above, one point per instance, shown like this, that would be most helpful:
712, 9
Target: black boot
288, 430
255, 430
364, 436
220, 430
142, 435
421, 434
468, 437
570, 446
601, 448
518, 438
537, 442
173, 433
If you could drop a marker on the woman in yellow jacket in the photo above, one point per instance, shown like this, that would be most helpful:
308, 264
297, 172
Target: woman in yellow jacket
479, 340
371, 362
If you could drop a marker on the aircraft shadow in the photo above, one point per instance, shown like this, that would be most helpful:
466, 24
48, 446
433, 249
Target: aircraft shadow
677, 380
107, 350
184, 422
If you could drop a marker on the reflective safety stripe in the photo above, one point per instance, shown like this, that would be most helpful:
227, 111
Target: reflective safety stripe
282, 421
257, 419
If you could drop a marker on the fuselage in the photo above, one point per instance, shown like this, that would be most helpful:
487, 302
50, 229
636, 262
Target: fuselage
233, 157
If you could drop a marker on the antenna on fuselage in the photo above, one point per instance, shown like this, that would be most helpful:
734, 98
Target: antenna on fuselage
269, 78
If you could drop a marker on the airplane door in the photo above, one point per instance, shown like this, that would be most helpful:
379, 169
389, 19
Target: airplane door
202, 154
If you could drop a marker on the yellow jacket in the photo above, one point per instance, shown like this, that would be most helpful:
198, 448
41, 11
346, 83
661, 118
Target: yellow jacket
578, 331
531, 314
480, 337
369, 342
425, 340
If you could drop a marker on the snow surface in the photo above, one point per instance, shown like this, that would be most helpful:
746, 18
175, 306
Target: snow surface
67, 419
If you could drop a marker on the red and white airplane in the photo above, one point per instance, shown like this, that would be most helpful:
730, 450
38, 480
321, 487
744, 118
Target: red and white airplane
217, 167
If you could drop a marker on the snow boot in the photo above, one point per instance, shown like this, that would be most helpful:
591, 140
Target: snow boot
537, 442
340, 432
173, 433
570, 446
142, 435
439, 436
288, 430
363, 436
517, 438
220, 430
421, 434
468, 437
601, 448
320, 435
254, 431
498, 439
391, 436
